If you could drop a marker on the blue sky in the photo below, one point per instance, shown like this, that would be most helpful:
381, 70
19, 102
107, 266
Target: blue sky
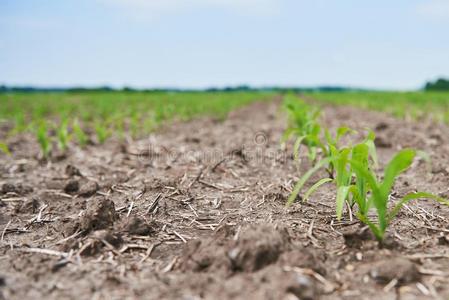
201, 43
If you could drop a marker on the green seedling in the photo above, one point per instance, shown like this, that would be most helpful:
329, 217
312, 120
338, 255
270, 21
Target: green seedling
119, 128
81, 136
5, 149
102, 132
364, 153
44, 140
63, 135
320, 164
331, 147
149, 123
304, 126
20, 123
380, 190
336, 162
134, 125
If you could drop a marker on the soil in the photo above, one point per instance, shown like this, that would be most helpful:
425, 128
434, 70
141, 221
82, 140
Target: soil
197, 211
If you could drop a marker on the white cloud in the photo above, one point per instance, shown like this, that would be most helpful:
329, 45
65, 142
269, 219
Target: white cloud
435, 9
151, 9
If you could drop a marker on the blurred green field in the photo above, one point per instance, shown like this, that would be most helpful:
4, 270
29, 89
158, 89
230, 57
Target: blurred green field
111, 106
414, 105
76, 116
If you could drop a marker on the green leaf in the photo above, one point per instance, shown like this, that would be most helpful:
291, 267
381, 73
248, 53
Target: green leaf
80, 135
43, 139
314, 187
400, 162
341, 163
363, 172
378, 233
413, 196
360, 155
287, 134
369, 142
342, 131
4, 148
312, 154
296, 147
304, 179
342, 194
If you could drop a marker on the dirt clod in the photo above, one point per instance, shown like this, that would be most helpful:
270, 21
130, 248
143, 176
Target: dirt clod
443, 240
382, 126
138, 226
17, 188
302, 286
382, 142
397, 268
72, 186
29, 207
88, 189
113, 238
71, 170
8, 188
100, 214
249, 250
257, 246
356, 238
304, 258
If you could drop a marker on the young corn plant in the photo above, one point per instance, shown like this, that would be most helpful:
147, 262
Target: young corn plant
81, 136
119, 128
346, 178
369, 191
5, 149
335, 160
135, 125
44, 140
20, 124
304, 126
63, 135
102, 132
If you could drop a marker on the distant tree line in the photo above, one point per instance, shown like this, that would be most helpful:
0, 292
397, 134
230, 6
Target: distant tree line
230, 89
440, 84
437, 85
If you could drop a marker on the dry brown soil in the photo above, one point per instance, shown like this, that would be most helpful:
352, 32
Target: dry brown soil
197, 211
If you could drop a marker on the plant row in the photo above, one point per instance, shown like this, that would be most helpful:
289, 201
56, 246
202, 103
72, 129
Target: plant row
351, 168
62, 118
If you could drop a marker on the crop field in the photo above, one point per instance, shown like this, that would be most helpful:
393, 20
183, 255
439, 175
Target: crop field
224, 195
412, 105
107, 114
